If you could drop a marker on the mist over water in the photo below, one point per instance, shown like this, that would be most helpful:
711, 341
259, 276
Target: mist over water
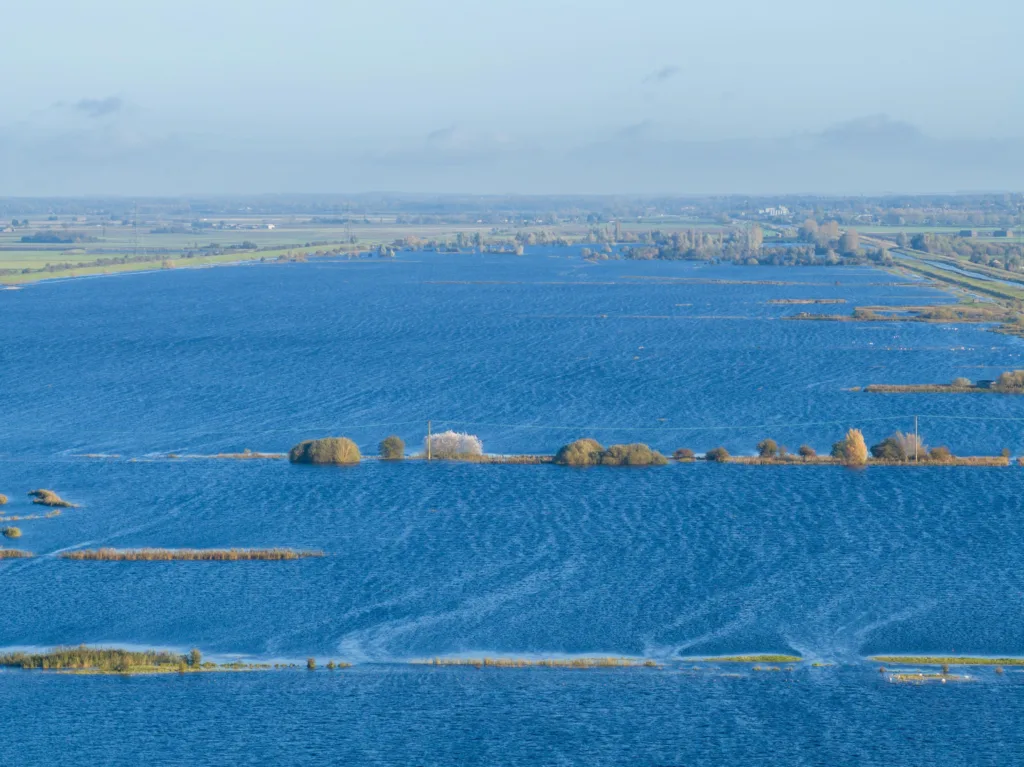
455, 559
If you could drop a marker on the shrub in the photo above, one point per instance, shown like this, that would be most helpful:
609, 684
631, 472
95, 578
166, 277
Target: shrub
635, 454
767, 448
1010, 381
717, 455
911, 444
1005, 453
195, 658
330, 450
888, 450
3, 499
940, 454
582, 452
683, 454
11, 532
961, 383
311, 664
392, 448
807, 451
851, 450
452, 444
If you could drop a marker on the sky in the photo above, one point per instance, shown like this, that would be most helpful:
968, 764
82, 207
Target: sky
544, 96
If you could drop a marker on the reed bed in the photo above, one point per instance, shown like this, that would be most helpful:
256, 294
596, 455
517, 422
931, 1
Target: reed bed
92, 658
827, 460
918, 678
187, 555
50, 498
509, 459
946, 660
15, 554
578, 663
931, 389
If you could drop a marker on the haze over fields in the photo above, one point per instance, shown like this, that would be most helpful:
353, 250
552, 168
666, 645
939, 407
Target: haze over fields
534, 96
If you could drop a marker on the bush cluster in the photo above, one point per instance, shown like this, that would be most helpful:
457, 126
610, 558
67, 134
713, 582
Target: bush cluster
329, 451
392, 448
590, 452
452, 445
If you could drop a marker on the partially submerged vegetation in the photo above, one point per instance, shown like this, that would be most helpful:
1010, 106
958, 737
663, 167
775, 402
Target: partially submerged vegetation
765, 658
50, 498
453, 446
11, 532
187, 555
27, 517
590, 452
3, 499
1010, 382
946, 660
327, 451
581, 663
15, 554
88, 660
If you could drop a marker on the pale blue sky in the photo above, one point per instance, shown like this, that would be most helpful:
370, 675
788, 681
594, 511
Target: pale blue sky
368, 86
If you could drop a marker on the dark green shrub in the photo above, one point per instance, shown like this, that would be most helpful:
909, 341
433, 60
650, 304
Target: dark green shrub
806, 451
11, 532
683, 454
392, 448
330, 450
635, 454
311, 664
582, 452
717, 455
888, 449
767, 448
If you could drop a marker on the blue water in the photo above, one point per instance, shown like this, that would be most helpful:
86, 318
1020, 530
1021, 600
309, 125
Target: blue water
448, 559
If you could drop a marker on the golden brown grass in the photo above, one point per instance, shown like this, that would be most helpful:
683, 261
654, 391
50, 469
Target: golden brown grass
946, 660
26, 517
15, 554
50, 498
3, 499
187, 555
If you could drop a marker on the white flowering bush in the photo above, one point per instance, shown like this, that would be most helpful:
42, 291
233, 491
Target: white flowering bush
452, 444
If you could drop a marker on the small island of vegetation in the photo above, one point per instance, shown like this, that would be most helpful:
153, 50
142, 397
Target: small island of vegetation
570, 663
1010, 382
15, 554
336, 451
11, 532
50, 498
89, 660
392, 448
590, 452
3, 499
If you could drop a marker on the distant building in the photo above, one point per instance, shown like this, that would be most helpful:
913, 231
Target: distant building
774, 212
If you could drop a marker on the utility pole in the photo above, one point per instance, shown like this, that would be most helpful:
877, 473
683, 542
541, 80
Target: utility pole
428, 440
917, 440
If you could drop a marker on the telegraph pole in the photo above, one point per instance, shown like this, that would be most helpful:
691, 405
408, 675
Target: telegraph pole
428, 440
917, 440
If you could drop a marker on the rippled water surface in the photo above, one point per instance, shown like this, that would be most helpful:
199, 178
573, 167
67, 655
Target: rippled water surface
526, 561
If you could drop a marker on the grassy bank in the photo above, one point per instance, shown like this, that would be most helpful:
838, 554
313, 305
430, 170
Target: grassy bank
88, 660
768, 658
187, 555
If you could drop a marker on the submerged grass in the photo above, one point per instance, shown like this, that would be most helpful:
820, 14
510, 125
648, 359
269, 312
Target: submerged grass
767, 658
579, 663
187, 555
15, 554
946, 660
27, 517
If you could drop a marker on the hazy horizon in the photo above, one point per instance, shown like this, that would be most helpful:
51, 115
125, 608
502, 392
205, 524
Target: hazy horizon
543, 98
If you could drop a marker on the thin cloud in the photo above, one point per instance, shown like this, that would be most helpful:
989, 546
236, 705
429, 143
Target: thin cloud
665, 73
99, 107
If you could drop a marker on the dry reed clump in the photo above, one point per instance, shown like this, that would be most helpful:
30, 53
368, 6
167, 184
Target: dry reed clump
326, 451
452, 445
50, 498
187, 555
717, 455
3, 499
15, 554
851, 450
11, 532
583, 663
590, 452
684, 454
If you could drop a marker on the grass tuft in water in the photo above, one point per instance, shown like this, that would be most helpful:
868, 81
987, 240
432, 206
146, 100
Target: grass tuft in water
187, 555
